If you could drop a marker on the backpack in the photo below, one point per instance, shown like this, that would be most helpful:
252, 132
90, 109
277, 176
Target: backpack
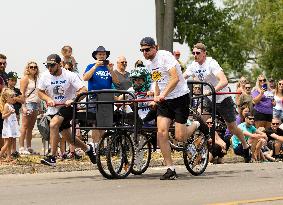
44, 128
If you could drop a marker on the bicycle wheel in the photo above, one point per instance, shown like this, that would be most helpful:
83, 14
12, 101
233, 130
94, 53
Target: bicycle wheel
142, 154
102, 155
196, 153
120, 155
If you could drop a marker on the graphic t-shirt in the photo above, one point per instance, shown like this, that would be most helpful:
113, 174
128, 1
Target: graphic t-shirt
59, 88
101, 78
160, 67
251, 129
207, 72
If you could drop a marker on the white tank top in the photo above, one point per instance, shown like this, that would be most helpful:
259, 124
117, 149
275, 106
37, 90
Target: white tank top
31, 92
10, 125
279, 102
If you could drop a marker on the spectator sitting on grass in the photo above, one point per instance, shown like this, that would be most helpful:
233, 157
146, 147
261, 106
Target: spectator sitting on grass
253, 136
275, 138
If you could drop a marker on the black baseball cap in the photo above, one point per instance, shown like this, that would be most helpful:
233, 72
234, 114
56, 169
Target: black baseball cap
147, 41
53, 59
12, 75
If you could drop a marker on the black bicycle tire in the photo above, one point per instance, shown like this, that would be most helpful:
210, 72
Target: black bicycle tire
112, 142
101, 169
146, 165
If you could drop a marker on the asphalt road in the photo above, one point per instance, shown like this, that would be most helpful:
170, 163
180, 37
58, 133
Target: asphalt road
259, 183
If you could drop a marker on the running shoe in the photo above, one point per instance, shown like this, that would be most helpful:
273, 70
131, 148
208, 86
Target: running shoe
169, 175
49, 160
91, 153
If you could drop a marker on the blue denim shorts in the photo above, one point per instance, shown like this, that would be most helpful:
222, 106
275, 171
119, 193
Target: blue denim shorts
32, 106
278, 114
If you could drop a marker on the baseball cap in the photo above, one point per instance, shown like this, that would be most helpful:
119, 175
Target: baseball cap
147, 41
12, 75
53, 58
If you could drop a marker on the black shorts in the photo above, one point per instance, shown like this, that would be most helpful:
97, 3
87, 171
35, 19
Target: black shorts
67, 114
239, 150
176, 109
226, 108
262, 117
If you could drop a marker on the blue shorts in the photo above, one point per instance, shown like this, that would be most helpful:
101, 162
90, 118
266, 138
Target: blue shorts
31, 107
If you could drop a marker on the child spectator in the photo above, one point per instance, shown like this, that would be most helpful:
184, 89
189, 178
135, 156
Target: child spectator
68, 58
12, 81
10, 124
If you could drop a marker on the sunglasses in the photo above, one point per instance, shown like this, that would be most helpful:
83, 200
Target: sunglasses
248, 87
124, 62
33, 67
145, 49
209, 123
275, 123
250, 118
263, 80
196, 53
50, 65
2, 63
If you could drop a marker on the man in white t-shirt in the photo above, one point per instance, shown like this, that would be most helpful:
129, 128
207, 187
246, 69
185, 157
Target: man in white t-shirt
59, 86
206, 69
172, 96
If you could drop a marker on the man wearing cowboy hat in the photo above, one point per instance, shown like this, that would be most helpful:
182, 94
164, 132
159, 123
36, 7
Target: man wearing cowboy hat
100, 76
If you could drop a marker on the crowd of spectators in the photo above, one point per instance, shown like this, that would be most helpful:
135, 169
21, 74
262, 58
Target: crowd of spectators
259, 108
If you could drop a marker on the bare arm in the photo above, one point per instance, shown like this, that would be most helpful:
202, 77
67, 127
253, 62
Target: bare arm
173, 81
257, 99
6, 112
277, 137
23, 87
223, 82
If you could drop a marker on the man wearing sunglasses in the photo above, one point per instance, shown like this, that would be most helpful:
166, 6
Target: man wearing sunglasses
252, 135
172, 96
246, 97
60, 86
206, 69
275, 138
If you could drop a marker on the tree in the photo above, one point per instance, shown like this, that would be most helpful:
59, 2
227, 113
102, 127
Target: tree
201, 21
165, 23
260, 23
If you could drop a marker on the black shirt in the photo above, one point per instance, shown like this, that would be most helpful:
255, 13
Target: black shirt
270, 131
17, 105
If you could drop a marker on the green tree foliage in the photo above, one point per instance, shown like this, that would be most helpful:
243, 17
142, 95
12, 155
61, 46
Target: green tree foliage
201, 21
260, 23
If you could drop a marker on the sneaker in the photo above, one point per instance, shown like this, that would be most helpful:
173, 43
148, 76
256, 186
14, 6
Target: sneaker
203, 126
91, 153
49, 160
169, 175
247, 154
23, 151
15, 154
